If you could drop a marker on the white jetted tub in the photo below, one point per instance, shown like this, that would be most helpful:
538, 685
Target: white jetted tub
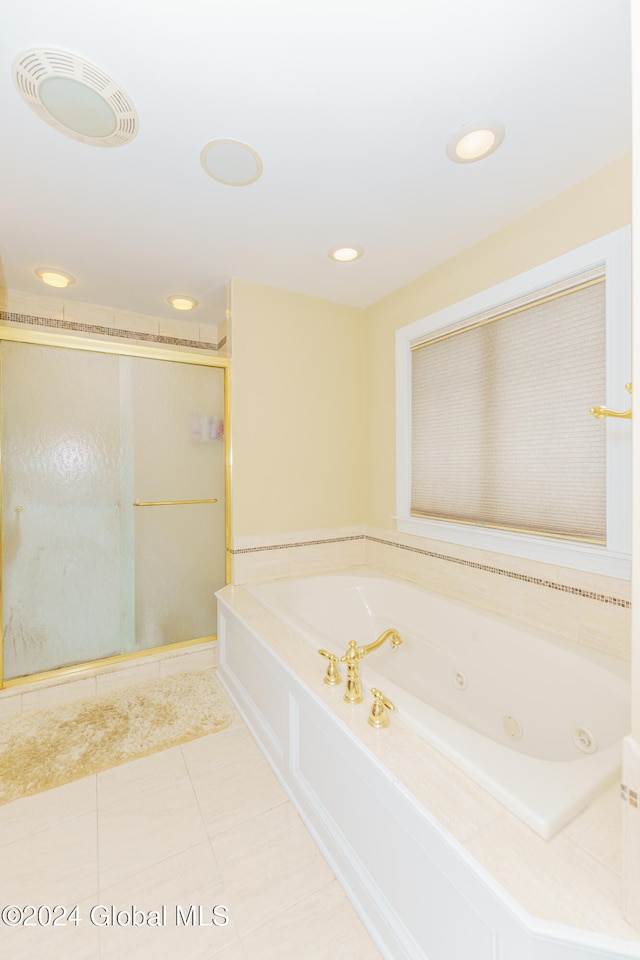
535, 720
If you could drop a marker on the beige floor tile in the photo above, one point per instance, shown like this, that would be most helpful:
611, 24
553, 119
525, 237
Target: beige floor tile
30, 815
323, 926
154, 772
234, 952
189, 881
268, 864
237, 792
214, 751
165, 943
64, 940
58, 865
145, 828
191, 876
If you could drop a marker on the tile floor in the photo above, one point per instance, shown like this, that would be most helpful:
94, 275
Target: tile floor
205, 824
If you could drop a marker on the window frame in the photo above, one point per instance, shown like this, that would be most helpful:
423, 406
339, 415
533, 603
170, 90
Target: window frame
612, 559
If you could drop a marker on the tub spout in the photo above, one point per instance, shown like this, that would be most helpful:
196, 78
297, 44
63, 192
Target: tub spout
354, 655
391, 635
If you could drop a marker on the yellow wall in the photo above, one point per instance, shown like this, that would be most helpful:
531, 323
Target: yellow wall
313, 382
297, 391
588, 210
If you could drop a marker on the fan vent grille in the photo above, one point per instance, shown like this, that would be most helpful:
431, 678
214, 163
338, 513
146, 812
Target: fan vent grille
32, 67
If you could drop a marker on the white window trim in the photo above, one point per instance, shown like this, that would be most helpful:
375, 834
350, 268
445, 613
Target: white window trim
614, 250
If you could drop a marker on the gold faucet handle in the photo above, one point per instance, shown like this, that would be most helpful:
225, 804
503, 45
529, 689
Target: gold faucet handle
353, 654
378, 717
332, 676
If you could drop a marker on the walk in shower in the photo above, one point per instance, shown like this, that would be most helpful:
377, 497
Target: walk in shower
114, 499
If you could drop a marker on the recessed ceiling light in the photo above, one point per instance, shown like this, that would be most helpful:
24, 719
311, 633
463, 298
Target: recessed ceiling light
346, 254
183, 303
231, 162
75, 96
475, 140
54, 278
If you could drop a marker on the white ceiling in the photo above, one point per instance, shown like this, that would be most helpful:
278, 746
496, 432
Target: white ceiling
350, 105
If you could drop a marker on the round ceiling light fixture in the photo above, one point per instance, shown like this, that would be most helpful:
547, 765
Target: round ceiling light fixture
345, 254
231, 162
54, 278
475, 141
182, 303
75, 97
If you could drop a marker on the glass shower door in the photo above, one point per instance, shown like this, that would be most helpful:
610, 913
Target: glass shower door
62, 599
179, 499
113, 504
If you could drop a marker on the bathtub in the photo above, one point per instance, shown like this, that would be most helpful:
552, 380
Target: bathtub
367, 795
534, 720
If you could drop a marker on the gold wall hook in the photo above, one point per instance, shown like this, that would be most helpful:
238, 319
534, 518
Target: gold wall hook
601, 412
332, 677
378, 716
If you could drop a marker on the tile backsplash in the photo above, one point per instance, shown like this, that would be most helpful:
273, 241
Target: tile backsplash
588, 609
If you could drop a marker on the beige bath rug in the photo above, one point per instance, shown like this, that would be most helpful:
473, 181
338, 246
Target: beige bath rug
41, 749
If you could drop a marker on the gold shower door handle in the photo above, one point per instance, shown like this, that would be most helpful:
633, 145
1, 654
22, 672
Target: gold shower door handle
601, 412
168, 503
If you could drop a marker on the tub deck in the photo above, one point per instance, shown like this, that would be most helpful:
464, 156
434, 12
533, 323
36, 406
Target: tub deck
508, 670
573, 880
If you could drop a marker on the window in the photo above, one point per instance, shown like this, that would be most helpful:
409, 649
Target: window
496, 445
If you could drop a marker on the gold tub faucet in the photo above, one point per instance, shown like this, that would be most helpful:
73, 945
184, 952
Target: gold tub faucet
378, 717
353, 656
332, 676
391, 635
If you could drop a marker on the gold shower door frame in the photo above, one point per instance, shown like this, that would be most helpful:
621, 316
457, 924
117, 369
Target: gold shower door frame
40, 338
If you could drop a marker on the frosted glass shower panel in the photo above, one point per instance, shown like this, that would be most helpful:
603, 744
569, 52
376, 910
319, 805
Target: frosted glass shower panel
179, 566
178, 430
61, 524
178, 411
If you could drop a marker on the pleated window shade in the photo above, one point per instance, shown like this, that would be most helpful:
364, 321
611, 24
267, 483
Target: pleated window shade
501, 430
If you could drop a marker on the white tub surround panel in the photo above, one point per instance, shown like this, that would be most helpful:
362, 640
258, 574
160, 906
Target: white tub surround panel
369, 799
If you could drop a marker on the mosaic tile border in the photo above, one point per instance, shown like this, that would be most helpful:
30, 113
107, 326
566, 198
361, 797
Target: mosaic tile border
537, 581
486, 568
629, 796
301, 543
9, 317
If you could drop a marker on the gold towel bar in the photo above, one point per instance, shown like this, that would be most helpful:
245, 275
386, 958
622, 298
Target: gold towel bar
600, 412
167, 503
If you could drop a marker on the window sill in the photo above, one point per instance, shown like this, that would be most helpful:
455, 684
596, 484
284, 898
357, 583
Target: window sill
563, 553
